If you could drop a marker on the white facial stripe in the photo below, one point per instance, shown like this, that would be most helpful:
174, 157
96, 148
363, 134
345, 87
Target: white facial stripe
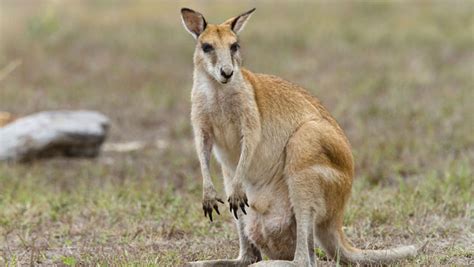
224, 58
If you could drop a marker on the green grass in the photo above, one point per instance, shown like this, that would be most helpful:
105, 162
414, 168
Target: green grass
397, 76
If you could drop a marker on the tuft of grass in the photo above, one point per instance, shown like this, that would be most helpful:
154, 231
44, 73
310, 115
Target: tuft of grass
68, 261
43, 25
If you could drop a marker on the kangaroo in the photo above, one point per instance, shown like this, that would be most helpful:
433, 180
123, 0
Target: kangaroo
287, 165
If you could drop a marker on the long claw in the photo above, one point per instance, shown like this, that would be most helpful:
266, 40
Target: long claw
210, 215
217, 209
220, 200
205, 211
242, 207
235, 213
246, 202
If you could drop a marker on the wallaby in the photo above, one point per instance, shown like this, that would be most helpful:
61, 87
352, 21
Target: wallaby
286, 163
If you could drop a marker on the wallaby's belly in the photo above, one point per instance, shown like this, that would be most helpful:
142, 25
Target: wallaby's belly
270, 224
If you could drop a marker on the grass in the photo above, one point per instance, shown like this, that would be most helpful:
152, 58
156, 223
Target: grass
397, 76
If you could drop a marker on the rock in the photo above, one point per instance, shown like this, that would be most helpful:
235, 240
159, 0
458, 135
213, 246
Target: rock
54, 133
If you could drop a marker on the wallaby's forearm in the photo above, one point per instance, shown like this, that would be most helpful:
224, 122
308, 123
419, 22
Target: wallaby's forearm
203, 142
250, 139
250, 130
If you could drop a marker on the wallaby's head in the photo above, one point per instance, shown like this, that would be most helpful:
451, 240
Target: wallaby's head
217, 49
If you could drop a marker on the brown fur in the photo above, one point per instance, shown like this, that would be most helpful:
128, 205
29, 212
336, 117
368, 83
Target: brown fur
280, 149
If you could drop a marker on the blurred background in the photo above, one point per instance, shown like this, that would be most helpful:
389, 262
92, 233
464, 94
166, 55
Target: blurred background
398, 77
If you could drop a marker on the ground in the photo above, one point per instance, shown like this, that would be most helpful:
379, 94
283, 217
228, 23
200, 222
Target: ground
398, 77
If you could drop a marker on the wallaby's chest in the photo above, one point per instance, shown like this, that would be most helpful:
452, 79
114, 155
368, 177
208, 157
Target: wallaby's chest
223, 112
222, 109
225, 128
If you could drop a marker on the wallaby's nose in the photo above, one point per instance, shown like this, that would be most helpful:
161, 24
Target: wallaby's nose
227, 72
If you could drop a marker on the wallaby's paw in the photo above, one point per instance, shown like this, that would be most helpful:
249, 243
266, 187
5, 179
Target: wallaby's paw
237, 199
209, 202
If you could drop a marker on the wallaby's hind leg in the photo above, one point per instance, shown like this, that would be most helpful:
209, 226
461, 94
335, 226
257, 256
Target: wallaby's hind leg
248, 253
302, 203
307, 175
308, 206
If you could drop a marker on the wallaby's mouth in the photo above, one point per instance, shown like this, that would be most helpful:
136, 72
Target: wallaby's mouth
224, 81
226, 74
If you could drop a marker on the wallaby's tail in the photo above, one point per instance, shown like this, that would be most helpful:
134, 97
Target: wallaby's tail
336, 246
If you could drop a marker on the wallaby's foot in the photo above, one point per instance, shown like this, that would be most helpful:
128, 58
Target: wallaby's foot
220, 263
237, 199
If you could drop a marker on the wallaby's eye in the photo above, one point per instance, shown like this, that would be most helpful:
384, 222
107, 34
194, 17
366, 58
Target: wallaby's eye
234, 47
207, 48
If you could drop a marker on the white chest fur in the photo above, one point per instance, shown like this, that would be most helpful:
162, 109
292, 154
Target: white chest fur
220, 104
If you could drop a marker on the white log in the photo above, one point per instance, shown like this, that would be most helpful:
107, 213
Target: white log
52, 133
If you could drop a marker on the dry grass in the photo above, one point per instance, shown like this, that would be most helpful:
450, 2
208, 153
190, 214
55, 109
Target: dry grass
398, 77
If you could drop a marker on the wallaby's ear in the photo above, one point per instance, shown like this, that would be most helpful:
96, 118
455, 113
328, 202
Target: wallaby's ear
237, 24
193, 21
